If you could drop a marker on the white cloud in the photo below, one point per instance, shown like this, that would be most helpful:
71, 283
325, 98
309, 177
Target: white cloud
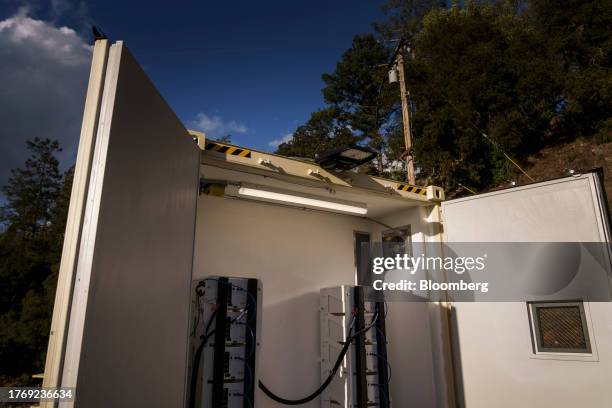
277, 142
214, 126
61, 45
43, 77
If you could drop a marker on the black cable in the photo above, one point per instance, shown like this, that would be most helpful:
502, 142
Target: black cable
249, 401
387, 401
196, 319
212, 317
319, 390
196, 360
198, 356
253, 344
250, 371
199, 294
368, 327
331, 375
196, 366
384, 360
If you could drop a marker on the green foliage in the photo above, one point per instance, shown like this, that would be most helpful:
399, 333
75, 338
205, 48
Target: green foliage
579, 36
34, 218
405, 17
360, 103
323, 131
485, 77
490, 77
358, 88
31, 192
604, 131
526, 76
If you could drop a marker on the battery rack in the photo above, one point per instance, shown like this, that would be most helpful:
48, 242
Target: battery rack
363, 379
224, 343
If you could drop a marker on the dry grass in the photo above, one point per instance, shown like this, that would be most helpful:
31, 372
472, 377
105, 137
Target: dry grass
581, 155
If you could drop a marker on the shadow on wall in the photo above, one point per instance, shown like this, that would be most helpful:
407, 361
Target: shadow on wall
411, 354
456, 353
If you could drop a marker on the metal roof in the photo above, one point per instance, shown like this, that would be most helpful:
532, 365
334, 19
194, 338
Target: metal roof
255, 161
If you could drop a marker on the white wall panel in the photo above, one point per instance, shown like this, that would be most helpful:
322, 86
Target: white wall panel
127, 338
296, 253
495, 362
74, 219
412, 326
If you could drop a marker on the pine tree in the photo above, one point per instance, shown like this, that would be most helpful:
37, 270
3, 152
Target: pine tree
359, 90
324, 130
31, 192
34, 218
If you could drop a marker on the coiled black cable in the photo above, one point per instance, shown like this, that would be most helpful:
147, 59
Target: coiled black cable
331, 375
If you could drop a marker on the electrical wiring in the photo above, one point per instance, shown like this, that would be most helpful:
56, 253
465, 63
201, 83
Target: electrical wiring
383, 359
200, 292
250, 331
251, 377
242, 313
381, 333
196, 360
386, 362
316, 393
368, 327
198, 354
252, 301
385, 312
345, 348
384, 394
252, 342
198, 316
250, 370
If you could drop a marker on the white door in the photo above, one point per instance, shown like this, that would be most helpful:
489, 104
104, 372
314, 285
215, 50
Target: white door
128, 320
494, 344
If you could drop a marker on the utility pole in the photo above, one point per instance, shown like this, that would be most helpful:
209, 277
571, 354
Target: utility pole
399, 62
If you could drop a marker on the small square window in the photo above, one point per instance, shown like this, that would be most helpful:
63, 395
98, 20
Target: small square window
559, 327
397, 241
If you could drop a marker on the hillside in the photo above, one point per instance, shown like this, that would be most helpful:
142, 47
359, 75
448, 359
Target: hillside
579, 155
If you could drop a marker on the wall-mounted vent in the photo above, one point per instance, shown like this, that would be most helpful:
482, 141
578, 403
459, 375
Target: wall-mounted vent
559, 327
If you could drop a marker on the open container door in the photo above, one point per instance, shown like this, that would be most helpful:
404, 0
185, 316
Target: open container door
126, 339
494, 344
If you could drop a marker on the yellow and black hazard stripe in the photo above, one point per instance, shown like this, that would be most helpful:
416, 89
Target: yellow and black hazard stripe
412, 189
229, 150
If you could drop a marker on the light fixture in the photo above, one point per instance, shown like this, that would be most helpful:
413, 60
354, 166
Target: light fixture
303, 200
392, 75
345, 158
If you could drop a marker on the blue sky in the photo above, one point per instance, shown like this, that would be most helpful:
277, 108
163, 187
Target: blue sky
248, 68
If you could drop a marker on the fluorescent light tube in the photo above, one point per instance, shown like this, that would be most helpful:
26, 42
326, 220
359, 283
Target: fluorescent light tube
302, 201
